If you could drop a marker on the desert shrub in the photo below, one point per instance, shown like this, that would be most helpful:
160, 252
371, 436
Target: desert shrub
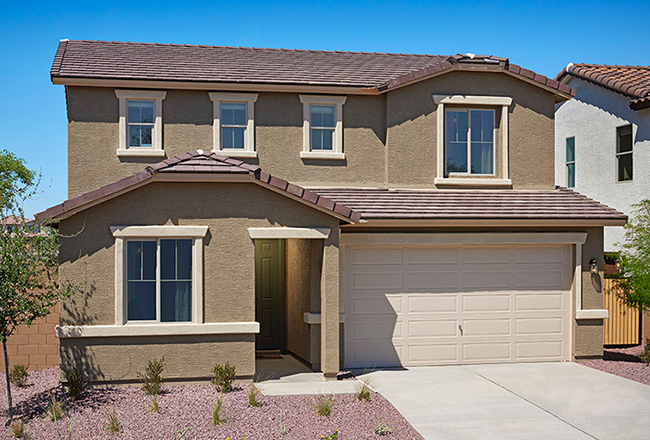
113, 422
332, 436
154, 407
152, 377
18, 429
55, 408
365, 389
77, 384
382, 428
224, 376
18, 375
323, 405
180, 434
70, 434
253, 393
645, 356
217, 417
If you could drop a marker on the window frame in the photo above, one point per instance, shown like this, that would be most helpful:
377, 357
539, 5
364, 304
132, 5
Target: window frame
156, 149
469, 143
625, 153
567, 162
475, 102
337, 136
249, 133
124, 234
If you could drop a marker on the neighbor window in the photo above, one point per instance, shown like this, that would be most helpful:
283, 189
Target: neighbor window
323, 127
159, 274
140, 122
571, 162
624, 153
469, 141
233, 124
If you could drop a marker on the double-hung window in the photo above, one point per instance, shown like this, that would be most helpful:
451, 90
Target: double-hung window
469, 141
322, 127
233, 124
624, 153
159, 275
140, 113
571, 162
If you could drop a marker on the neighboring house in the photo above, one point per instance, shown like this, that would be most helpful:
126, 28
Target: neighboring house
419, 223
11, 222
602, 137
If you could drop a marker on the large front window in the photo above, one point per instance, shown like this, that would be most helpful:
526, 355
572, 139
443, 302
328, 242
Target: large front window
159, 280
470, 142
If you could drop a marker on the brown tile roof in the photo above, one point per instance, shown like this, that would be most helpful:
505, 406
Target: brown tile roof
222, 64
464, 204
197, 162
631, 81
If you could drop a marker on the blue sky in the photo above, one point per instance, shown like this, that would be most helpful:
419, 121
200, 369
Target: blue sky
541, 36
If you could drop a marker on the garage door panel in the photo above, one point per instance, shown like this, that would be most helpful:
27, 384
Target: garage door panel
432, 280
512, 302
486, 303
430, 328
370, 256
428, 303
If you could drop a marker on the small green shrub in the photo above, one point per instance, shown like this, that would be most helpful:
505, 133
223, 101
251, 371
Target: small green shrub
645, 356
324, 405
382, 428
253, 393
77, 384
180, 434
224, 376
154, 407
365, 389
332, 436
152, 377
113, 422
18, 429
55, 408
19, 374
70, 435
283, 429
217, 417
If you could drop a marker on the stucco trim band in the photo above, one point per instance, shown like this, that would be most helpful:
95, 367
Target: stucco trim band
504, 238
101, 331
283, 233
159, 231
314, 318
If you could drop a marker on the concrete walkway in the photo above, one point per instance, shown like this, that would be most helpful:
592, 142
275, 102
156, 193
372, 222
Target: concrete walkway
533, 401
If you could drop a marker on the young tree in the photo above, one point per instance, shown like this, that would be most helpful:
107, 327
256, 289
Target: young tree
29, 282
634, 259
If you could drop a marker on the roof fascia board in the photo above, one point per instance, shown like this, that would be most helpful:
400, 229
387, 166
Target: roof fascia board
466, 238
190, 85
558, 94
492, 223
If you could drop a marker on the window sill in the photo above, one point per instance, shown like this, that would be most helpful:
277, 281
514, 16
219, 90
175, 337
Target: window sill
237, 153
592, 314
459, 181
167, 329
322, 155
133, 152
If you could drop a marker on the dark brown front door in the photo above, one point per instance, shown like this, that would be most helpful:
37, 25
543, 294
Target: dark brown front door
269, 294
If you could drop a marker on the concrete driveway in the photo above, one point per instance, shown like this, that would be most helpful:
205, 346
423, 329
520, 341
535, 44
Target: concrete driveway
518, 401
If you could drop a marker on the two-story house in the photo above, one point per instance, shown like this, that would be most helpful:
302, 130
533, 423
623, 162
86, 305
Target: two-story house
353, 209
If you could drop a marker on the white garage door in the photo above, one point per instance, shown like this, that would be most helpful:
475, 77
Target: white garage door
434, 305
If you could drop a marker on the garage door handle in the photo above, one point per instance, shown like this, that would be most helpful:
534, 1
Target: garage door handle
460, 327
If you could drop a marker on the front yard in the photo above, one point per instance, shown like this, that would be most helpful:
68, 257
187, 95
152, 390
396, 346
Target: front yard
187, 412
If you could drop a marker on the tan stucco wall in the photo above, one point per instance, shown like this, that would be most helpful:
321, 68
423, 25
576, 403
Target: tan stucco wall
412, 119
388, 139
229, 255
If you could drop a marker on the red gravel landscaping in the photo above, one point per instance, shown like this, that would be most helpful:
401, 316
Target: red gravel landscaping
624, 362
192, 406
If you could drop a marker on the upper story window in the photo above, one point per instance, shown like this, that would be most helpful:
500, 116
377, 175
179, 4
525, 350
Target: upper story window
140, 122
467, 148
469, 145
159, 276
322, 127
624, 153
571, 162
234, 124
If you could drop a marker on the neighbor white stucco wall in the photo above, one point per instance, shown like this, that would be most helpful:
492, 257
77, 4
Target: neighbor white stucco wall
592, 118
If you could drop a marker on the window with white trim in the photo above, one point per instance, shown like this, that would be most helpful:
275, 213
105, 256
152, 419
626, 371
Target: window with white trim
322, 127
140, 121
159, 275
571, 162
469, 147
624, 153
233, 124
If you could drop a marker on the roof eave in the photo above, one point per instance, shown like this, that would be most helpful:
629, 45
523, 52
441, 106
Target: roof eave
486, 222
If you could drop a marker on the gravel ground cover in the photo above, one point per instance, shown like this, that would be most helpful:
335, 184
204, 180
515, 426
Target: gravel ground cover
192, 405
624, 362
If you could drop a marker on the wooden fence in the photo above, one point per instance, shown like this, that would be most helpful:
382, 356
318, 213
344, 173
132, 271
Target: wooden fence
622, 326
